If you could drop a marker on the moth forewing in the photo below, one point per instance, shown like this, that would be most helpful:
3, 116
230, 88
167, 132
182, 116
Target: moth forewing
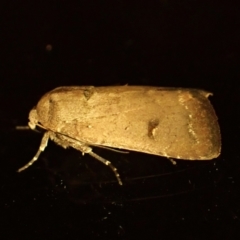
170, 122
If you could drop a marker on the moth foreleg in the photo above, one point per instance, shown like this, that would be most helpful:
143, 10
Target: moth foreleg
41, 149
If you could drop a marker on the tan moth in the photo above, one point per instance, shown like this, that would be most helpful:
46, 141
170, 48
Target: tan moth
170, 122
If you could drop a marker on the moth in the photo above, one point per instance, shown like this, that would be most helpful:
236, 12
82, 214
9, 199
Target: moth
171, 122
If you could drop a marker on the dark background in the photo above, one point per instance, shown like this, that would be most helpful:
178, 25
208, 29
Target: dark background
64, 195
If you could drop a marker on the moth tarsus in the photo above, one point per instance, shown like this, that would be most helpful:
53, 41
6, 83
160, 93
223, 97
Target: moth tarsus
109, 164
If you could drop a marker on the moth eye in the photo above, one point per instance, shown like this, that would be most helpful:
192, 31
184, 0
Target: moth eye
33, 118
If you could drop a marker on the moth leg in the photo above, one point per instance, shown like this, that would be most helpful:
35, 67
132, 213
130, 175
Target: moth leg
41, 149
107, 163
86, 149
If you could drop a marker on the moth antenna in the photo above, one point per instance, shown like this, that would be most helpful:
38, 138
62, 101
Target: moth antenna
109, 164
95, 145
41, 126
41, 149
23, 128
109, 148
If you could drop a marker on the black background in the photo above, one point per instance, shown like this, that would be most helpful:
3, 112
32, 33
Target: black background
64, 195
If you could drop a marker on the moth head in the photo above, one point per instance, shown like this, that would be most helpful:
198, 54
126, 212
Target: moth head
33, 119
